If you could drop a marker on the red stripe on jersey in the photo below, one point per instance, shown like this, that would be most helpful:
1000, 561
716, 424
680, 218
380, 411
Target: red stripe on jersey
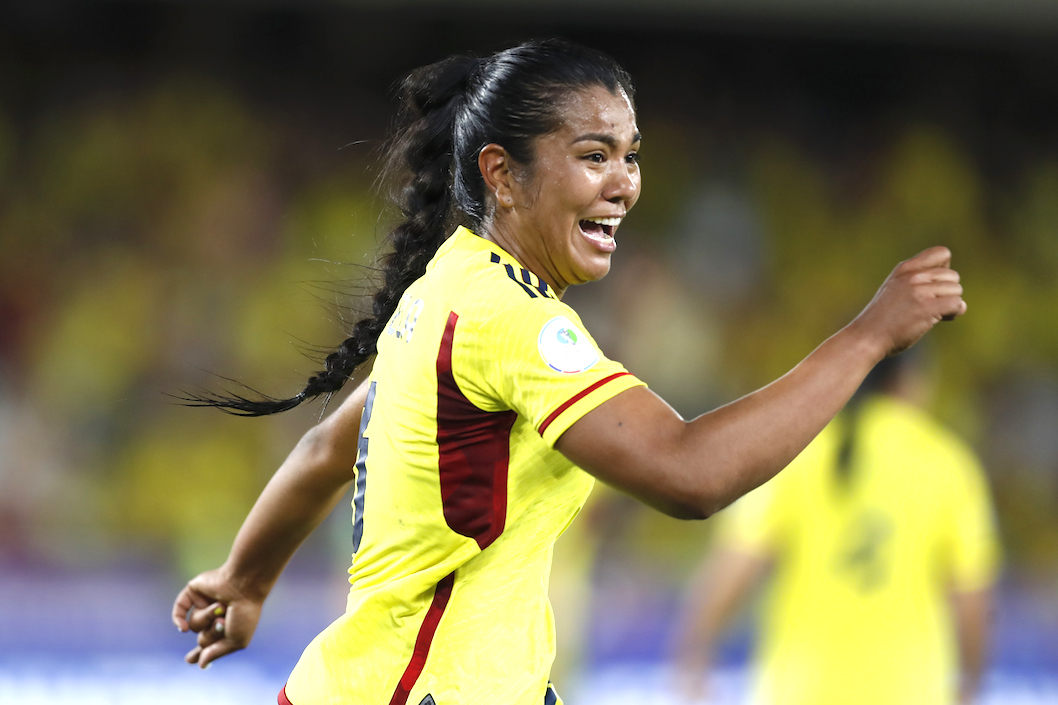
474, 452
441, 594
282, 699
577, 397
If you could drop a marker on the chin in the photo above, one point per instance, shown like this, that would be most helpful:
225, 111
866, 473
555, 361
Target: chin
595, 271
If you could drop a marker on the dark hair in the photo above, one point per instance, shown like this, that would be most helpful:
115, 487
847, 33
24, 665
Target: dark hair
880, 380
449, 111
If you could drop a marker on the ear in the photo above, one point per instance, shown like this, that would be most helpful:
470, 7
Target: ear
495, 166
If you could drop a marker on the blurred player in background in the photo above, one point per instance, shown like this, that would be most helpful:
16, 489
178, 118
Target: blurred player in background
883, 552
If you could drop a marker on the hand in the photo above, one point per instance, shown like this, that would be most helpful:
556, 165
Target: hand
219, 613
691, 684
918, 294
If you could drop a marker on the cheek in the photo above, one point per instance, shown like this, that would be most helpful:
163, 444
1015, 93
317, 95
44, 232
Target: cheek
584, 191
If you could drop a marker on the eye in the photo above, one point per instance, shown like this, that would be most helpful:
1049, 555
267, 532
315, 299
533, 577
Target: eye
632, 157
597, 157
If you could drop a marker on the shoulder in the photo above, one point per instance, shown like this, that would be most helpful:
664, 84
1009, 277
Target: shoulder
491, 291
511, 330
922, 435
481, 279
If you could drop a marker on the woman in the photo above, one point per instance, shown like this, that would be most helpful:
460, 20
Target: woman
489, 411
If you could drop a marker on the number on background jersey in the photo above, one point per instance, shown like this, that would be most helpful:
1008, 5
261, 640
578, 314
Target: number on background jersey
864, 557
361, 470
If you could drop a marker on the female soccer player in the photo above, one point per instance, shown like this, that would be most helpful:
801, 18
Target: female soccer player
489, 410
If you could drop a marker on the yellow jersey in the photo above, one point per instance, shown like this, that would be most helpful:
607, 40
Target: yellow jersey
459, 493
858, 606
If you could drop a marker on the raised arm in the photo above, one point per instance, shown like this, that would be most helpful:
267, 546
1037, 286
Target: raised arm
691, 469
223, 605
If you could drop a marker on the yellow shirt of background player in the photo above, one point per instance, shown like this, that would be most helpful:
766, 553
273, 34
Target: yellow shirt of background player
858, 607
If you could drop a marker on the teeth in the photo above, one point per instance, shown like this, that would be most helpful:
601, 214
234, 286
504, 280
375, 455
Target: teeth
614, 222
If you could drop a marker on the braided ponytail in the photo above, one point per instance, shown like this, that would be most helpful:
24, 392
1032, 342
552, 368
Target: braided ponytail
420, 165
449, 111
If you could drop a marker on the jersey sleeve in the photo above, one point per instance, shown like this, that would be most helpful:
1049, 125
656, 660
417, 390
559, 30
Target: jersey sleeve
973, 544
538, 359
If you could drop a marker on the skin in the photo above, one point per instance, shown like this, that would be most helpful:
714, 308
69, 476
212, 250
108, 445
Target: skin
587, 168
973, 611
635, 441
223, 605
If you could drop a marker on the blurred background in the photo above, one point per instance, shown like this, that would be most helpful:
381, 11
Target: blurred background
186, 191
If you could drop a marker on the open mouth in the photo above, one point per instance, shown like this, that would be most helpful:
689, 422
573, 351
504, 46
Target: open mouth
600, 230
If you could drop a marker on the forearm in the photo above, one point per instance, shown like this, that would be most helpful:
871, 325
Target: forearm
690, 470
717, 595
296, 500
303, 491
973, 615
739, 446
636, 442
223, 605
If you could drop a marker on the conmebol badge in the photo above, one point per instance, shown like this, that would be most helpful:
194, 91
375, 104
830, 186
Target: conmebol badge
565, 348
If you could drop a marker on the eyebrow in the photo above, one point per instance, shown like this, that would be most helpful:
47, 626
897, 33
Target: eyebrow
608, 140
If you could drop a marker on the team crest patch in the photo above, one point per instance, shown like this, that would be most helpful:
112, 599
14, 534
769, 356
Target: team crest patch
565, 348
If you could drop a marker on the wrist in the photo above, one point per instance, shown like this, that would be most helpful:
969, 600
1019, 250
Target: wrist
245, 584
864, 343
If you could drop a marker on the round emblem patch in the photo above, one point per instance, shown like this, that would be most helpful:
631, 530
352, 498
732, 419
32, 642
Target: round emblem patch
565, 348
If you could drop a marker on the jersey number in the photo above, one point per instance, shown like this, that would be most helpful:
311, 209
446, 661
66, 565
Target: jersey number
864, 559
361, 470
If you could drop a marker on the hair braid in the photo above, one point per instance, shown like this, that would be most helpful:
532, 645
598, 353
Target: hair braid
449, 111
421, 161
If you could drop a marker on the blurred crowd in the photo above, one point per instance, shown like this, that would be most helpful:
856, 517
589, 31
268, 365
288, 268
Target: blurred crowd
162, 237
151, 242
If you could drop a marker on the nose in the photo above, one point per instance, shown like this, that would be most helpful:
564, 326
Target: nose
623, 184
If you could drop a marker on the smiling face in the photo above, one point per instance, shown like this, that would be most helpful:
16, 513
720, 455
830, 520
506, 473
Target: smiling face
559, 215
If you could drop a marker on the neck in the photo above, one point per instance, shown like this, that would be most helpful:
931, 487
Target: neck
502, 234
